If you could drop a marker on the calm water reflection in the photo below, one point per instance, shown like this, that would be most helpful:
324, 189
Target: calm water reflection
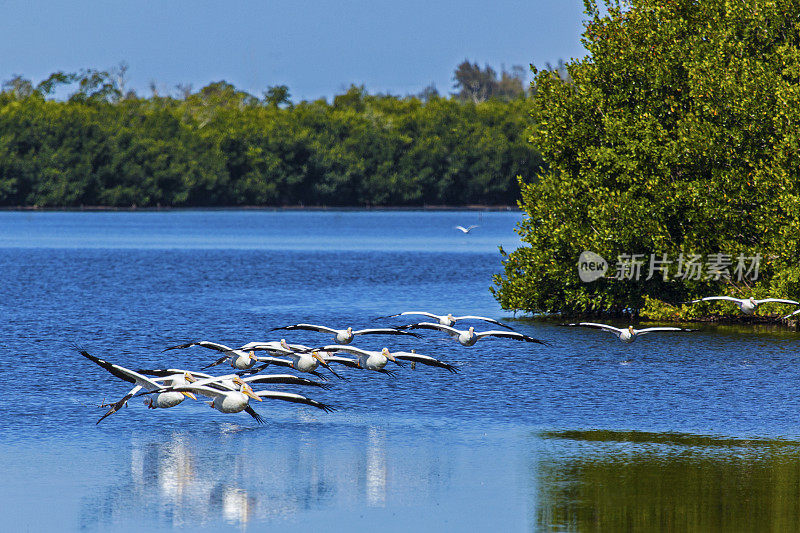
566, 439
614, 481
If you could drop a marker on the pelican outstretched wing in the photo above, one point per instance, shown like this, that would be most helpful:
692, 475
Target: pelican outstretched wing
123, 373
604, 327
286, 379
510, 335
485, 319
205, 344
252, 412
665, 328
425, 360
295, 398
383, 331
776, 301
352, 363
309, 327
713, 298
404, 313
431, 325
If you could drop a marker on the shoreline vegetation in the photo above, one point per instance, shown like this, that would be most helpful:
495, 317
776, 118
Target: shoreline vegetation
100, 144
674, 138
470, 207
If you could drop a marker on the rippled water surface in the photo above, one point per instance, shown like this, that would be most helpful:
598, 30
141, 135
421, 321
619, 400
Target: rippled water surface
685, 432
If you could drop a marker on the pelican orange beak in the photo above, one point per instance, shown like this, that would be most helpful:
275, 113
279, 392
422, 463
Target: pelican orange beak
388, 355
189, 395
189, 377
248, 391
319, 358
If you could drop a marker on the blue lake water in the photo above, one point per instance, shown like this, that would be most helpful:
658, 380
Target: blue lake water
690, 432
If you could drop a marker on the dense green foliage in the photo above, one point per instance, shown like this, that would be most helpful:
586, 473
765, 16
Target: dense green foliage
222, 147
678, 133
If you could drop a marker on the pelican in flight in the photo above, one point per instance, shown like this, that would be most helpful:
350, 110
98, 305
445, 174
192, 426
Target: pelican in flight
466, 230
239, 358
301, 358
367, 359
448, 319
282, 379
746, 305
345, 336
627, 334
470, 336
164, 399
372, 360
230, 394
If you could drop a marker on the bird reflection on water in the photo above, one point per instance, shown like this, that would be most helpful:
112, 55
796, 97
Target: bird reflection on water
235, 477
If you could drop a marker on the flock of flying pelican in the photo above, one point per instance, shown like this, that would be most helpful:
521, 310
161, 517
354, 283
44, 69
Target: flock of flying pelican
231, 393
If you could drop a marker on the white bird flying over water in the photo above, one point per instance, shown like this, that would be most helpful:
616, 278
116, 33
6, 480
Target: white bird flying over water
239, 359
746, 305
301, 358
282, 379
345, 336
448, 319
225, 400
378, 363
367, 359
466, 230
162, 400
470, 336
628, 334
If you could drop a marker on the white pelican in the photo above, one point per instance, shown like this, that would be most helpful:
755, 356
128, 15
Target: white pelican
367, 359
628, 334
470, 336
746, 305
282, 379
448, 319
345, 336
466, 230
378, 364
225, 400
239, 359
303, 360
162, 400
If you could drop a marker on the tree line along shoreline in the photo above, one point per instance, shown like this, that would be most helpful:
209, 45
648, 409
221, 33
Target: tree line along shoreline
222, 147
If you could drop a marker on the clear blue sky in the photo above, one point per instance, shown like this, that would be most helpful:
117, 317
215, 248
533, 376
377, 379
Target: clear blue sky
316, 48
